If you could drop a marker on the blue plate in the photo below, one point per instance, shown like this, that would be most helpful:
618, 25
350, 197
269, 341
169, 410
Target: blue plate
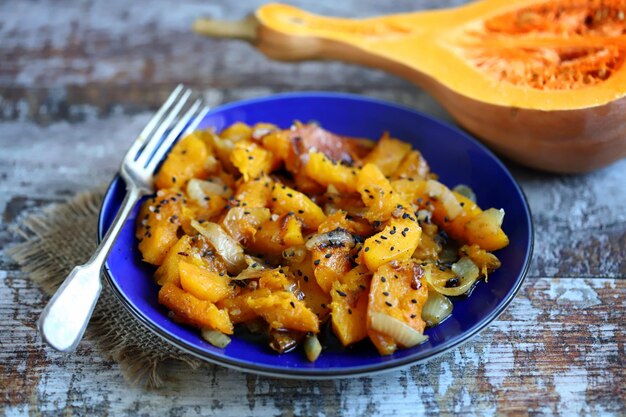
452, 154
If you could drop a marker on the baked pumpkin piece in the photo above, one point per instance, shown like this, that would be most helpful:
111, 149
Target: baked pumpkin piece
396, 297
158, 222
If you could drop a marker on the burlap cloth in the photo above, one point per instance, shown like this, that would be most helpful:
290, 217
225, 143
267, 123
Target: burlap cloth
62, 236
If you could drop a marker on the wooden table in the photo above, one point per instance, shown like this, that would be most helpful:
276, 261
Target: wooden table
79, 79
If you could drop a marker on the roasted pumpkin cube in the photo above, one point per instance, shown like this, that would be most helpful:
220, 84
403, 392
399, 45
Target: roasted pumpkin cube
410, 190
330, 263
397, 291
291, 232
455, 228
388, 154
204, 284
339, 219
446, 206
191, 310
254, 193
485, 230
413, 166
278, 143
275, 280
397, 241
349, 305
189, 158
237, 307
237, 132
287, 200
251, 160
267, 241
193, 250
377, 193
315, 297
327, 172
157, 225
282, 310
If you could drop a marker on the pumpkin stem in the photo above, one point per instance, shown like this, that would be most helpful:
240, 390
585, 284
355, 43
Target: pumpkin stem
245, 29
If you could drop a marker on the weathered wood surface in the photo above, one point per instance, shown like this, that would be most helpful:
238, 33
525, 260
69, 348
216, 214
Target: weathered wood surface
78, 79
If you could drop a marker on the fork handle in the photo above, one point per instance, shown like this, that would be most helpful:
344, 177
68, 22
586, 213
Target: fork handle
64, 320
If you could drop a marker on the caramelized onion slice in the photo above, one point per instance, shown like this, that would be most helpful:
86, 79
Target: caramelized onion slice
217, 339
466, 272
437, 308
337, 237
224, 245
197, 190
401, 332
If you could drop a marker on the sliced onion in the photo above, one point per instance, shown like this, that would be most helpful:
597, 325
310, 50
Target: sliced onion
250, 272
465, 191
224, 245
337, 237
466, 272
312, 348
198, 190
217, 339
255, 216
450, 203
494, 216
401, 332
437, 308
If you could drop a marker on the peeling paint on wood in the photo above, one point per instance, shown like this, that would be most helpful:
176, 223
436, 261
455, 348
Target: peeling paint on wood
77, 81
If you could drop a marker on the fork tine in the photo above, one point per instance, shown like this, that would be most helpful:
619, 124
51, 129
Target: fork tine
146, 152
173, 134
134, 148
199, 118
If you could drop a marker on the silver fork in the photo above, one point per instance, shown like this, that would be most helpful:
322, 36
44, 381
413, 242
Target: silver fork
64, 320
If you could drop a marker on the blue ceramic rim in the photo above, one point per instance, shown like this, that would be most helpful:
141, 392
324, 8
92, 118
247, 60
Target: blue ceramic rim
331, 373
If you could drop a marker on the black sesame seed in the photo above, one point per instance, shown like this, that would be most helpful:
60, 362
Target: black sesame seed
341, 293
385, 293
292, 304
349, 311
316, 262
392, 248
328, 255
367, 249
383, 279
388, 303
414, 301
289, 195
